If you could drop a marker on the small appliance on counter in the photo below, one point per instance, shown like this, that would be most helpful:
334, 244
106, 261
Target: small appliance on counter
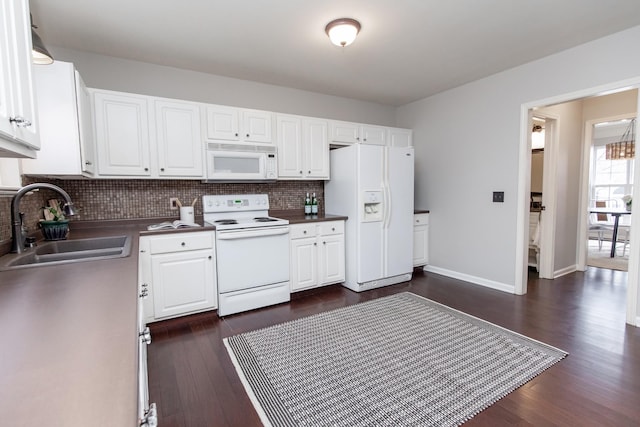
252, 252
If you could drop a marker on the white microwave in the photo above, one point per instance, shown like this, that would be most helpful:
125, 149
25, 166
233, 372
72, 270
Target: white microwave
241, 162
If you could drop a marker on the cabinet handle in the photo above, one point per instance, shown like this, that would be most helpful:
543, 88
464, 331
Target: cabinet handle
304, 231
357, 138
364, 139
247, 135
236, 134
315, 244
324, 243
183, 244
210, 257
300, 172
417, 220
146, 169
333, 229
21, 122
309, 172
88, 163
145, 335
161, 169
150, 417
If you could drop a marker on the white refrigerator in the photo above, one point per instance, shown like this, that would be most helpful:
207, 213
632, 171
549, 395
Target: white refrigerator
373, 186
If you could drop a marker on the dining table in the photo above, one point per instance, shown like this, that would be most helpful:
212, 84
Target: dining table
616, 213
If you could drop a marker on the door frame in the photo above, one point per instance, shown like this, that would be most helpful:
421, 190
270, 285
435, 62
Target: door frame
524, 178
583, 201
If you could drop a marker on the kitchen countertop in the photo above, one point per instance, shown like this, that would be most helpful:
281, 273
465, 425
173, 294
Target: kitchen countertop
69, 333
69, 337
297, 217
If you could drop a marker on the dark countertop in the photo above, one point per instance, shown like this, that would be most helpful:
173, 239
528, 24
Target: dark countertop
69, 337
420, 211
297, 217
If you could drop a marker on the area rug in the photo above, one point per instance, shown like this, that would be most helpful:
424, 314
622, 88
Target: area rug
401, 360
601, 257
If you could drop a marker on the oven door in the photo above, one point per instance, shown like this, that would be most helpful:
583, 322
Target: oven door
249, 258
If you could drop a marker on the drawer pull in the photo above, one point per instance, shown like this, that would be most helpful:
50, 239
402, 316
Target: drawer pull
183, 244
210, 257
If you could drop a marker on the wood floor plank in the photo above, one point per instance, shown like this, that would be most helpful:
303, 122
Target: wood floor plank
194, 383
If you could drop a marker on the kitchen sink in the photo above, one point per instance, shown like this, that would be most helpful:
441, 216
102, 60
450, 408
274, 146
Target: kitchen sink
68, 251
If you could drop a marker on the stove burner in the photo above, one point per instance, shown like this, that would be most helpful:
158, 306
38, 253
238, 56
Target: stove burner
264, 219
226, 222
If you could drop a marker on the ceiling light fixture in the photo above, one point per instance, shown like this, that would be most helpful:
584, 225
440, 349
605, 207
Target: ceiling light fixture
342, 32
39, 54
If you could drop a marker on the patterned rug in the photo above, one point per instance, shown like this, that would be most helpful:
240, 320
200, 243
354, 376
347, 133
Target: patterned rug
401, 360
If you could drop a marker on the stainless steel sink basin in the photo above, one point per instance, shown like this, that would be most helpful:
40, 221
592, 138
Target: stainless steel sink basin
69, 251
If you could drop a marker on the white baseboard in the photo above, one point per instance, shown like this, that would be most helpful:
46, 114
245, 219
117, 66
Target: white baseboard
637, 322
565, 271
471, 279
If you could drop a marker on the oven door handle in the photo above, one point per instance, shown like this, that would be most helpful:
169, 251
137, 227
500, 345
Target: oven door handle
245, 234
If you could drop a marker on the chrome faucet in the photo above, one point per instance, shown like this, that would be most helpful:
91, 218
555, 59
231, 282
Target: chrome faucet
17, 243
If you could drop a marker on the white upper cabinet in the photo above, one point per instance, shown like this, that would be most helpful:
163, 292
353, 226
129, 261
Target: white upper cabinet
122, 134
354, 133
303, 147
238, 124
19, 125
66, 129
400, 137
179, 143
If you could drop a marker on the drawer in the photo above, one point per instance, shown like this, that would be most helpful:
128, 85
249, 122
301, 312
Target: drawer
299, 231
181, 242
421, 219
332, 227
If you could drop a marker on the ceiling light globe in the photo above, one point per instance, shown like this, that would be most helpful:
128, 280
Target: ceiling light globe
342, 32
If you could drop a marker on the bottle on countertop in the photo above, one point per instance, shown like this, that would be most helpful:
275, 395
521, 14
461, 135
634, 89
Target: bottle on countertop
307, 205
314, 205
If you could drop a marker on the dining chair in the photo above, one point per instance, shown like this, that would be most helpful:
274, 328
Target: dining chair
600, 224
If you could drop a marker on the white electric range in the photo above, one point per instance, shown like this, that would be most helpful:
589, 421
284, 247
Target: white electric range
252, 252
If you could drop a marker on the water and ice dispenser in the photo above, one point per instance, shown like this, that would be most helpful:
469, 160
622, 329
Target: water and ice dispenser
372, 206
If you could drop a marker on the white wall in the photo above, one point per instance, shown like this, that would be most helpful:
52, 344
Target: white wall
105, 72
467, 145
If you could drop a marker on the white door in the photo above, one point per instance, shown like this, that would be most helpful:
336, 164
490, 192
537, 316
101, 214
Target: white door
256, 126
370, 237
85, 127
178, 139
183, 282
331, 259
316, 148
249, 258
223, 123
398, 225
289, 147
304, 263
122, 134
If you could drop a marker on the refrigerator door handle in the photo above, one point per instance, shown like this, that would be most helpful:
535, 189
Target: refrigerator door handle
387, 205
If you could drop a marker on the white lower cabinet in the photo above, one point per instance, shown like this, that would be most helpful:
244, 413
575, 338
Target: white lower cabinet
420, 239
178, 270
317, 254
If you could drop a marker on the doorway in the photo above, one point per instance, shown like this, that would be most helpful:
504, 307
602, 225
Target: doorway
570, 166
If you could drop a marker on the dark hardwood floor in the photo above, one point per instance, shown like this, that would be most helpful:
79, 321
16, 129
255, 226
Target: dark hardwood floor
194, 383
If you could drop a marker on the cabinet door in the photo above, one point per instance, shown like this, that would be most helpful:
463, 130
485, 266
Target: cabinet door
373, 135
289, 137
331, 259
420, 239
400, 137
257, 126
178, 139
345, 132
304, 263
183, 283
316, 148
223, 123
122, 134
85, 127
17, 72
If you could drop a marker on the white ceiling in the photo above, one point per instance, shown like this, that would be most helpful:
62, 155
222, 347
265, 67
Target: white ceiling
406, 50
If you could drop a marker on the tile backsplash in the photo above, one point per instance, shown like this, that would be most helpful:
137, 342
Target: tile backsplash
127, 198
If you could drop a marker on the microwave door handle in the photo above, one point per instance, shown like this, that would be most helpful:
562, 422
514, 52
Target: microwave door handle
245, 234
